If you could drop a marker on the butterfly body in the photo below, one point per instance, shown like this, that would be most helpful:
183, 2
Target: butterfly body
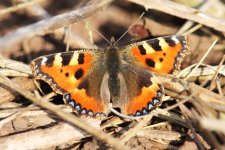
115, 79
90, 80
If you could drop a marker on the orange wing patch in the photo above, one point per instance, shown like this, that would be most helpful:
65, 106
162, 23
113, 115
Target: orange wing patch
146, 101
63, 71
83, 104
163, 55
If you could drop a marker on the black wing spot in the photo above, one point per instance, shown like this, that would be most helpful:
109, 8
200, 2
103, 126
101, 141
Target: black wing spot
67, 74
60, 70
85, 85
150, 62
144, 79
170, 41
155, 44
164, 54
66, 59
50, 61
161, 59
142, 50
79, 73
81, 58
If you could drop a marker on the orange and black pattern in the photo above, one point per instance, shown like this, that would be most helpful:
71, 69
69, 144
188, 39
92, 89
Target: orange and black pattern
89, 79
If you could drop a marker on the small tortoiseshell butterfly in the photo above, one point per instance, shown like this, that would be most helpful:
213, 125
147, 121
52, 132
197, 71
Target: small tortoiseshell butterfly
91, 79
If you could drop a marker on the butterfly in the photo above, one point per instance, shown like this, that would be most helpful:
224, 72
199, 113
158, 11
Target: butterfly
92, 79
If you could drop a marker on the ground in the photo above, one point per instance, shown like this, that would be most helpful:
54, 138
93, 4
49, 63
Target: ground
199, 98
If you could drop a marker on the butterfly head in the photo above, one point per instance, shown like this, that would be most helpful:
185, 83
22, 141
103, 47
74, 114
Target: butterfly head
112, 41
112, 47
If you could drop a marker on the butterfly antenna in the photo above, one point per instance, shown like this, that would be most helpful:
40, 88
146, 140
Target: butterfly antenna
100, 34
130, 27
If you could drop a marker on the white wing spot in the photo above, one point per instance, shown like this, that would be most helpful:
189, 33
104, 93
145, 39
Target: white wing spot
44, 59
163, 43
174, 38
58, 60
148, 48
158, 65
74, 59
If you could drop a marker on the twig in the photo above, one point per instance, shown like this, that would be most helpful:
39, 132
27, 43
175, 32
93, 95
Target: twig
37, 11
18, 7
189, 23
14, 65
182, 11
217, 71
181, 85
90, 33
51, 136
74, 40
65, 116
195, 28
67, 34
157, 125
170, 116
189, 123
204, 70
31, 111
213, 124
203, 58
219, 88
49, 25
132, 132
158, 134
27, 50
12, 73
21, 111
8, 95
9, 118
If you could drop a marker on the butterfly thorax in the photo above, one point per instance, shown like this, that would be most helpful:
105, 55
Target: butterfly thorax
112, 60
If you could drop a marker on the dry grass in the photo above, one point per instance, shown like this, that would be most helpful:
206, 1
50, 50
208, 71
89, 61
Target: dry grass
190, 117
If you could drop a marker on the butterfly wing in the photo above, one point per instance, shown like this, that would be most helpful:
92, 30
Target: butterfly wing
144, 91
77, 76
162, 55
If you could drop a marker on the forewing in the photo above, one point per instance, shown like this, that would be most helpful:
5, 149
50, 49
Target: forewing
162, 55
